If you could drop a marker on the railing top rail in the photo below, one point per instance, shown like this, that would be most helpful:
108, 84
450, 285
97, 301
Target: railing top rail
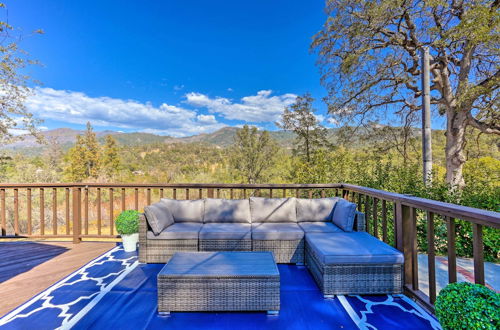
484, 217
475, 215
176, 185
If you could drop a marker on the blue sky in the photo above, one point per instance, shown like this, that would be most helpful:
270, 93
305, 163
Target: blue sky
169, 67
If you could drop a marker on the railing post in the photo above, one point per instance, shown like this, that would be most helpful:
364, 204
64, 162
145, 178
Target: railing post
76, 214
477, 234
403, 239
3, 222
210, 193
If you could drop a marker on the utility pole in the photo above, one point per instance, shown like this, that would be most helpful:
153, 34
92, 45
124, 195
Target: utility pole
426, 118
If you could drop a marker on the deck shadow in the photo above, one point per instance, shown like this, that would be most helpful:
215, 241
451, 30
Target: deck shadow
19, 257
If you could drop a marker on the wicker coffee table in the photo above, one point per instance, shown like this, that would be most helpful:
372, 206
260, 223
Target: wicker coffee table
219, 281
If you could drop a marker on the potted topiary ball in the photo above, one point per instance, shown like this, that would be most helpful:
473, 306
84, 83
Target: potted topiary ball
127, 225
465, 305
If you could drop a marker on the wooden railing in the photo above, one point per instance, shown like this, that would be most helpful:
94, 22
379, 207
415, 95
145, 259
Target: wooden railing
87, 211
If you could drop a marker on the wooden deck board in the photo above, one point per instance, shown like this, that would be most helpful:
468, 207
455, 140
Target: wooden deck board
27, 268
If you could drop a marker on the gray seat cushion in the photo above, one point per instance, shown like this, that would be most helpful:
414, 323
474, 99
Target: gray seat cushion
352, 248
227, 210
226, 231
184, 230
158, 216
319, 227
277, 231
273, 209
343, 214
185, 210
315, 209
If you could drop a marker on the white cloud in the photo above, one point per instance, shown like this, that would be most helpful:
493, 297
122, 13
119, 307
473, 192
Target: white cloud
78, 108
319, 118
332, 121
209, 119
229, 89
256, 108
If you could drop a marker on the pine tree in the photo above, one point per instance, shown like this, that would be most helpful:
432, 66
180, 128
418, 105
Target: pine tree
110, 157
75, 169
83, 159
300, 119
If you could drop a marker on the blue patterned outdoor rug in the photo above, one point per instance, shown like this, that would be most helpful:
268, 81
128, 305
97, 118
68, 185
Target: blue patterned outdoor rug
115, 291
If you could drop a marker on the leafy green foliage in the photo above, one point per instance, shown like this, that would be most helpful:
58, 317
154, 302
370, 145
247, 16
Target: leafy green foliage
253, 153
468, 306
127, 222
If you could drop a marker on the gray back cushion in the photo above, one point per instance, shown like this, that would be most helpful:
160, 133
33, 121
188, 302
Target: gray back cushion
159, 217
185, 210
227, 210
273, 209
343, 214
316, 209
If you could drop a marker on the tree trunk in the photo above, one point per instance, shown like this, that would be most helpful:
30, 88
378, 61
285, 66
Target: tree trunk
455, 144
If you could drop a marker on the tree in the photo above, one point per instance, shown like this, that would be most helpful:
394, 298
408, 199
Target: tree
252, 154
300, 119
368, 54
14, 117
110, 157
83, 158
54, 153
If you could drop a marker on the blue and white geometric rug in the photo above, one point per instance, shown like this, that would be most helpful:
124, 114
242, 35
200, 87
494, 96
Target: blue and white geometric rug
115, 291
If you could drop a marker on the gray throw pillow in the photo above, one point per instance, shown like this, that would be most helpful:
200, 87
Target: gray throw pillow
273, 209
343, 214
227, 210
185, 210
158, 216
315, 209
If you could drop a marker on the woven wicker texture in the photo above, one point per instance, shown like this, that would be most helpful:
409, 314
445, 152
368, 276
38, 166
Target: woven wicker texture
285, 252
225, 245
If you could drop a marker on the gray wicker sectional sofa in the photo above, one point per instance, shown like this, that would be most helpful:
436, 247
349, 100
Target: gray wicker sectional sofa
327, 234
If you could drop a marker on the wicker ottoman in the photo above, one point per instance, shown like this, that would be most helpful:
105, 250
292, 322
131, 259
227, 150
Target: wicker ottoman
353, 263
219, 281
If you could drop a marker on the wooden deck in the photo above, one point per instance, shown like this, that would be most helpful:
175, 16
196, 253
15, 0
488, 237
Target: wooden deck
27, 268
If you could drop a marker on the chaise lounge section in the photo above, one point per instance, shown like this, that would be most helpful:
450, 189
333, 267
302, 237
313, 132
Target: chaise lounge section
353, 263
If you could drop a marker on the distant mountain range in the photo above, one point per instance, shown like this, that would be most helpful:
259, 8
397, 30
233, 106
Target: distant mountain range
223, 137
66, 137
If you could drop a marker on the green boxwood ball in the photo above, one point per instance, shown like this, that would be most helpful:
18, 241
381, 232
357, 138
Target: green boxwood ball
468, 306
127, 222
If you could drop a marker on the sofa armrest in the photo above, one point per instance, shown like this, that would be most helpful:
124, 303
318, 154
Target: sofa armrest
143, 242
359, 221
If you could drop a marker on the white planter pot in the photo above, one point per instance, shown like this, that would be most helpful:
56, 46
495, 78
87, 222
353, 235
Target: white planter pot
130, 242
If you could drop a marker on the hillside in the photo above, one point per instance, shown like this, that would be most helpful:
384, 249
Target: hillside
223, 137
66, 137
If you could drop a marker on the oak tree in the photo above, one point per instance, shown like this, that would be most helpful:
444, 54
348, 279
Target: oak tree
368, 52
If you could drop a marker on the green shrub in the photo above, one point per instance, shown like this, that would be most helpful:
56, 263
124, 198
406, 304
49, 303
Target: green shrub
127, 222
468, 306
